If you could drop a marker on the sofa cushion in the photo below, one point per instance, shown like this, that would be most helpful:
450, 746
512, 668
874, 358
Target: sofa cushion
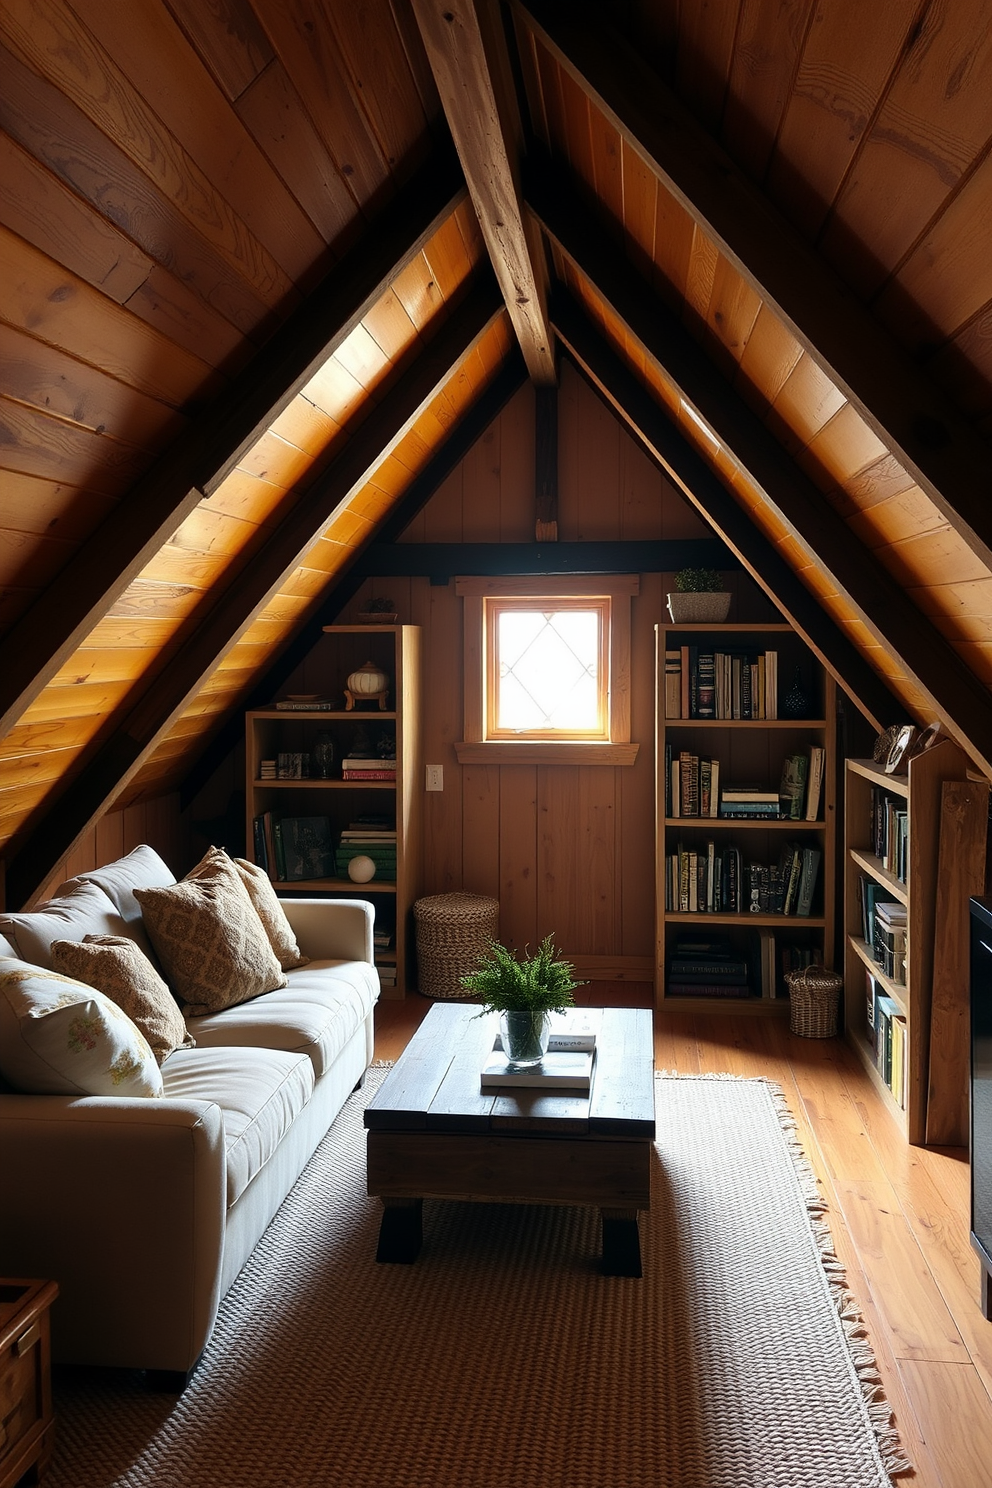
119, 969
315, 1014
59, 1037
140, 869
84, 910
210, 942
260, 1091
263, 896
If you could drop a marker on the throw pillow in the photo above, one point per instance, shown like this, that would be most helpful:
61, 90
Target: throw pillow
121, 971
210, 942
84, 910
267, 905
59, 1037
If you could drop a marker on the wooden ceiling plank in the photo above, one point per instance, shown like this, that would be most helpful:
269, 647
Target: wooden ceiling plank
770, 40
667, 448
908, 412
466, 73
964, 704
211, 632
228, 38
104, 566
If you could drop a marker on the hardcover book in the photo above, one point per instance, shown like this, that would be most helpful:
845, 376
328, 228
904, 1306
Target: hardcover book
307, 847
560, 1068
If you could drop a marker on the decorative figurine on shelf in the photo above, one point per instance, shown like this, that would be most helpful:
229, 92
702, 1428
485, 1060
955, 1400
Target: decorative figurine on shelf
796, 702
367, 684
322, 754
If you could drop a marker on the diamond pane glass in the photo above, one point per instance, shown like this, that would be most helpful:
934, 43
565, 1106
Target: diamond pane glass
548, 670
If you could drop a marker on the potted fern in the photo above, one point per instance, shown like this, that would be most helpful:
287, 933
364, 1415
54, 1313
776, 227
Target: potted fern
523, 992
699, 596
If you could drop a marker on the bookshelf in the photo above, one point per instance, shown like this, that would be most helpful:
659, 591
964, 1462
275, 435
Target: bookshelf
750, 751
297, 733
914, 800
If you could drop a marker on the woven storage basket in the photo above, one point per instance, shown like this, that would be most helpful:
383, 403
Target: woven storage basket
453, 931
814, 995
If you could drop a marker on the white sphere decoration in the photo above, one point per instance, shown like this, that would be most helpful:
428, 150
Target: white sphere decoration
361, 869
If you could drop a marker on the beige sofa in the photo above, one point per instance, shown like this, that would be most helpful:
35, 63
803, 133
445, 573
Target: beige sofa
145, 1210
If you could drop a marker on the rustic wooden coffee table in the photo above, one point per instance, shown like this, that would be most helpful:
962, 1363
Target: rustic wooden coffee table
433, 1132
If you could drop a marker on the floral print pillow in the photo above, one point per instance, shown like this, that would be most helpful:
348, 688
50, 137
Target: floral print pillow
60, 1037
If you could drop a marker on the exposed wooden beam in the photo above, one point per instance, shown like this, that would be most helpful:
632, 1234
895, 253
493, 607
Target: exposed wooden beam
441, 562
546, 464
657, 435
956, 695
910, 415
48, 634
118, 754
466, 50
349, 579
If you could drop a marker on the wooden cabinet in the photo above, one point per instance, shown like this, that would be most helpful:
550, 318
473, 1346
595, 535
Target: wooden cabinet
749, 748
26, 1420
904, 814
339, 724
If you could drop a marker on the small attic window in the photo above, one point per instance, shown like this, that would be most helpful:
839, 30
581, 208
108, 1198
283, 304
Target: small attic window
547, 670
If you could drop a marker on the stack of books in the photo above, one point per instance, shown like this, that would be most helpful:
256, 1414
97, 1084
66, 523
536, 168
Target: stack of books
267, 769
568, 1063
706, 968
377, 843
357, 767
749, 802
889, 940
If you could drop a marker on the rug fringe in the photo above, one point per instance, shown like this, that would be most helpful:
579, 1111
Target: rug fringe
863, 1360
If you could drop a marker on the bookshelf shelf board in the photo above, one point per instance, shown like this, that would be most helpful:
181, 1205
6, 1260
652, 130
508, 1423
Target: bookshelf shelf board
764, 724
742, 920
734, 823
895, 990
874, 868
334, 885
731, 627
898, 785
322, 715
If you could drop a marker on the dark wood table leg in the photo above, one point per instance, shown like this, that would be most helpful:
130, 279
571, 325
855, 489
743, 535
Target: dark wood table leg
621, 1243
401, 1230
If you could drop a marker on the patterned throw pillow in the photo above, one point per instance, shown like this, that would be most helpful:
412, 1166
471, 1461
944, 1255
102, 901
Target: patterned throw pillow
58, 1037
267, 906
210, 942
121, 971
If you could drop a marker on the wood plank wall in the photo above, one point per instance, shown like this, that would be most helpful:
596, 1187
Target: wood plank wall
155, 821
565, 849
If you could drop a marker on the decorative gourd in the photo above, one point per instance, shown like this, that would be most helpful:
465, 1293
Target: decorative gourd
367, 681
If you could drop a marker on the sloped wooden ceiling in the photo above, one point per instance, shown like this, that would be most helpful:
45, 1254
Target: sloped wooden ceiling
244, 298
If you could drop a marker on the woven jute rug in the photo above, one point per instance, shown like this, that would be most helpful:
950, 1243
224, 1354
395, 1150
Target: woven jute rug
503, 1359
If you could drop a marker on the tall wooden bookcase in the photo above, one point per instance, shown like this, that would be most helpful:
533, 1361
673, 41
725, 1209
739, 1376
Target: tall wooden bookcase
396, 650
751, 751
918, 792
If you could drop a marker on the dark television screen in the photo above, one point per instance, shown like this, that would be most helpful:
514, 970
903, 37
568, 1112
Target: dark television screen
981, 1074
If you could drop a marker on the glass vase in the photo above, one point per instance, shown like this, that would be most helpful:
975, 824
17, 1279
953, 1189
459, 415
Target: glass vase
524, 1036
322, 754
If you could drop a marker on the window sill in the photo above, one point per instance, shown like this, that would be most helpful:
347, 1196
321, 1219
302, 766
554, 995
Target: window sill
540, 752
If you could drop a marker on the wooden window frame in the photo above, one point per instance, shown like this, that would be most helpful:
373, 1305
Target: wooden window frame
475, 747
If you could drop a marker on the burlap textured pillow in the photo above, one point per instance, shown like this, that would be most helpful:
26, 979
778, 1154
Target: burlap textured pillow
119, 968
210, 942
59, 1037
267, 906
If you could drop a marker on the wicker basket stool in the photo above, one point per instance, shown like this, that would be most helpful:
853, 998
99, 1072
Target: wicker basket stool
453, 931
814, 995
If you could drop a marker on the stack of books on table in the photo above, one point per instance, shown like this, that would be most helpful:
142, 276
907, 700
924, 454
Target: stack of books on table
568, 1062
889, 940
358, 767
706, 967
377, 843
749, 802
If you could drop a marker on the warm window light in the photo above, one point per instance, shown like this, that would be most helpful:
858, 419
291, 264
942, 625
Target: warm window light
547, 674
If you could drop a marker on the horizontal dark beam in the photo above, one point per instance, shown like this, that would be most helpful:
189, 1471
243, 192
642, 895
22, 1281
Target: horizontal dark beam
209, 633
507, 382
45, 637
440, 562
650, 424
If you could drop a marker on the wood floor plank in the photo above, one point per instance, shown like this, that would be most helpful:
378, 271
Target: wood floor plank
951, 1402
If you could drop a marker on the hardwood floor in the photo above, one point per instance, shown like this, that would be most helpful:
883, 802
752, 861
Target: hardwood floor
899, 1216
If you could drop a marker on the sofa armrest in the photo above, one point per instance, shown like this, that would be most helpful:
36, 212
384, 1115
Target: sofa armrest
122, 1202
332, 929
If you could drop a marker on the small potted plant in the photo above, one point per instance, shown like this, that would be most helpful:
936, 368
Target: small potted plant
379, 611
699, 596
524, 992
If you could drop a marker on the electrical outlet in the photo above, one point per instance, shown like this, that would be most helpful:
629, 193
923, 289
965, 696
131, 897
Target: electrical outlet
435, 777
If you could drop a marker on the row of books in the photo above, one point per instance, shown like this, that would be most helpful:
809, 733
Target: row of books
700, 683
693, 789
716, 880
297, 848
711, 967
886, 1028
889, 831
362, 767
883, 927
